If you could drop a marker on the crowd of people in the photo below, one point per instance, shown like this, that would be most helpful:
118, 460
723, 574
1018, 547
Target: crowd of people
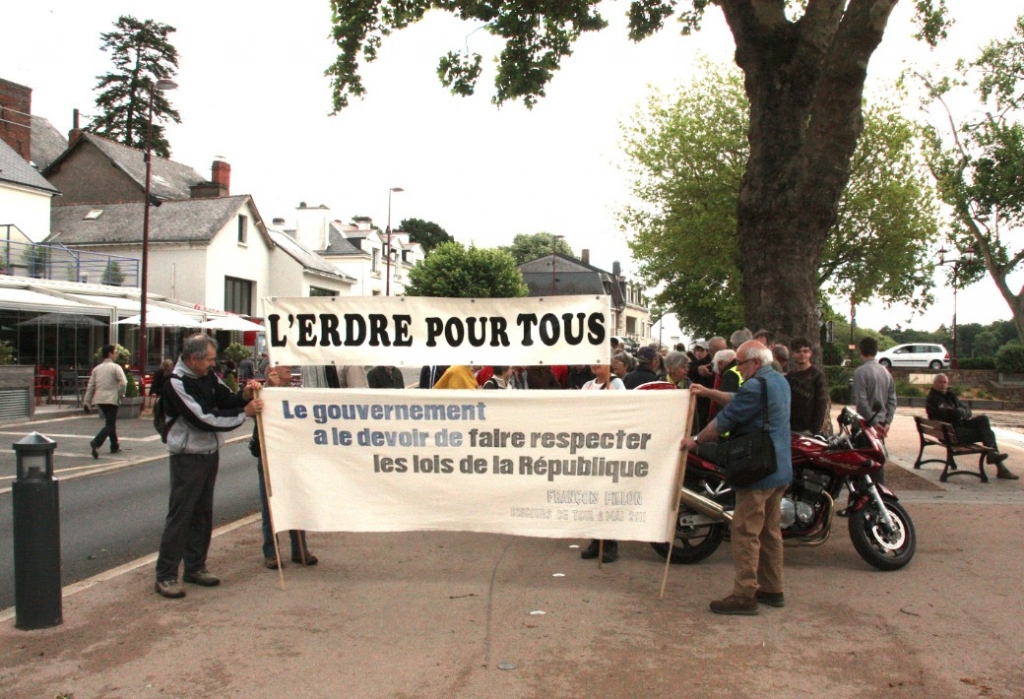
728, 378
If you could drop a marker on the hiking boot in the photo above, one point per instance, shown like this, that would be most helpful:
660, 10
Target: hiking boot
772, 599
270, 562
169, 589
734, 604
311, 560
591, 551
201, 577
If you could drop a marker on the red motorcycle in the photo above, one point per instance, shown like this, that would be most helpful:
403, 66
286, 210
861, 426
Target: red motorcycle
880, 528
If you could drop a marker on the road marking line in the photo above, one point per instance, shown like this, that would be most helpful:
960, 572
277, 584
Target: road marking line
112, 467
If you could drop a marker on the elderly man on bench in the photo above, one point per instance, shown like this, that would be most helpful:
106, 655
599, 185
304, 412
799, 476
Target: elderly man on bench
943, 405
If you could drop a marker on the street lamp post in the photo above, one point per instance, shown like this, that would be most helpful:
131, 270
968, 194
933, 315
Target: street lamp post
965, 256
387, 284
554, 249
162, 85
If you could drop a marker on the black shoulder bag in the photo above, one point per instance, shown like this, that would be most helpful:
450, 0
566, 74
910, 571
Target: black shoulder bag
747, 458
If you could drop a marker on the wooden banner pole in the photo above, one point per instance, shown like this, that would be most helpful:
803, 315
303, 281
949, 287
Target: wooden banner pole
267, 491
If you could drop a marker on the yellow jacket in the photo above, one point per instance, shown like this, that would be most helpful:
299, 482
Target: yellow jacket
457, 377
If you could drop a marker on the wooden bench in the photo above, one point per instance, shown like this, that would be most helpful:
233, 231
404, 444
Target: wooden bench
935, 433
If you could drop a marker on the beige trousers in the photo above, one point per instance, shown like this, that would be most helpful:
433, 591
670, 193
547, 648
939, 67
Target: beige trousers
757, 541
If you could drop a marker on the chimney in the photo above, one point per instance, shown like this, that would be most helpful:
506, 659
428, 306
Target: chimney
16, 117
222, 174
75, 131
585, 257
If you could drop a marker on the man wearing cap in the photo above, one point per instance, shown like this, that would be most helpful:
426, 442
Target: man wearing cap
644, 372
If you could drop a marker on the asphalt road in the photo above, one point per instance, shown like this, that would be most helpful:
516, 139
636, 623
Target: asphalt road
112, 509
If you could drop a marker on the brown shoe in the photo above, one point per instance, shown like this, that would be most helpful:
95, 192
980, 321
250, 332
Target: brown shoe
311, 560
772, 599
734, 604
1006, 474
270, 562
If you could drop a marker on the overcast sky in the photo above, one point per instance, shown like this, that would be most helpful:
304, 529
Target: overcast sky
252, 90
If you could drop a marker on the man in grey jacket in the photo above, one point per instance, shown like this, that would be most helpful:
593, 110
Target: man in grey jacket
873, 386
200, 408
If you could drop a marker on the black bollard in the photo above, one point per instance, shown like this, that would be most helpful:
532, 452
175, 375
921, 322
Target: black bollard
36, 506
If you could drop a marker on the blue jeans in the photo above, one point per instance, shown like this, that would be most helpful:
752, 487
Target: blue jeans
297, 536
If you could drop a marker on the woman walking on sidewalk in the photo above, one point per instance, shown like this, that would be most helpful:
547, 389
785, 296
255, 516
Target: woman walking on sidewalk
106, 388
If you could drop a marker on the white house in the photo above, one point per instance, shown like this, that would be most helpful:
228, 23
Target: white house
298, 271
25, 198
212, 252
358, 250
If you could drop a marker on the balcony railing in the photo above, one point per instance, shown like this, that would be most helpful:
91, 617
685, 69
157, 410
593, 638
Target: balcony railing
54, 261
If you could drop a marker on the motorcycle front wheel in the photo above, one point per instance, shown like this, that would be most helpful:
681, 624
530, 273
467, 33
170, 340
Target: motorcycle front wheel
876, 544
693, 543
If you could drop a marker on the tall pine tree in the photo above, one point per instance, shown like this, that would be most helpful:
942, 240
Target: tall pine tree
142, 55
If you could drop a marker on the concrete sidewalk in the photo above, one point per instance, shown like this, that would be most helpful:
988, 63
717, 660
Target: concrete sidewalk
465, 615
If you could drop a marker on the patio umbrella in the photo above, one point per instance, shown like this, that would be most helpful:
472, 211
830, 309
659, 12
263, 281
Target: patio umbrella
234, 323
64, 319
160, 317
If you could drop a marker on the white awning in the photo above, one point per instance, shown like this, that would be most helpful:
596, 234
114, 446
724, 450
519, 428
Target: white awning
124, 306
28, 300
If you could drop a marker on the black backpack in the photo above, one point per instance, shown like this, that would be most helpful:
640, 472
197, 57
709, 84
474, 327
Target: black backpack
160, 422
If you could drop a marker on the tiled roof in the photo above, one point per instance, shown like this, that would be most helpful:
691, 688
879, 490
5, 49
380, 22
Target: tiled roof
571, 276
15, 170
307, 258
170, 180
569, 264
192, 220
566, 283
339, 244
47, 143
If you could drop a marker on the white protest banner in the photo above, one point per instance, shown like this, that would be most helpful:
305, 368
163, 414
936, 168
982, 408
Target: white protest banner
585, 464
414, 330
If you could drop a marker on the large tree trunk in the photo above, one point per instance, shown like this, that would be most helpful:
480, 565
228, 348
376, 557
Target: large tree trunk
804, 81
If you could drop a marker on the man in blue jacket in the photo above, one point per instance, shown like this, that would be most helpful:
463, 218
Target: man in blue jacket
756, 532
200, 408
